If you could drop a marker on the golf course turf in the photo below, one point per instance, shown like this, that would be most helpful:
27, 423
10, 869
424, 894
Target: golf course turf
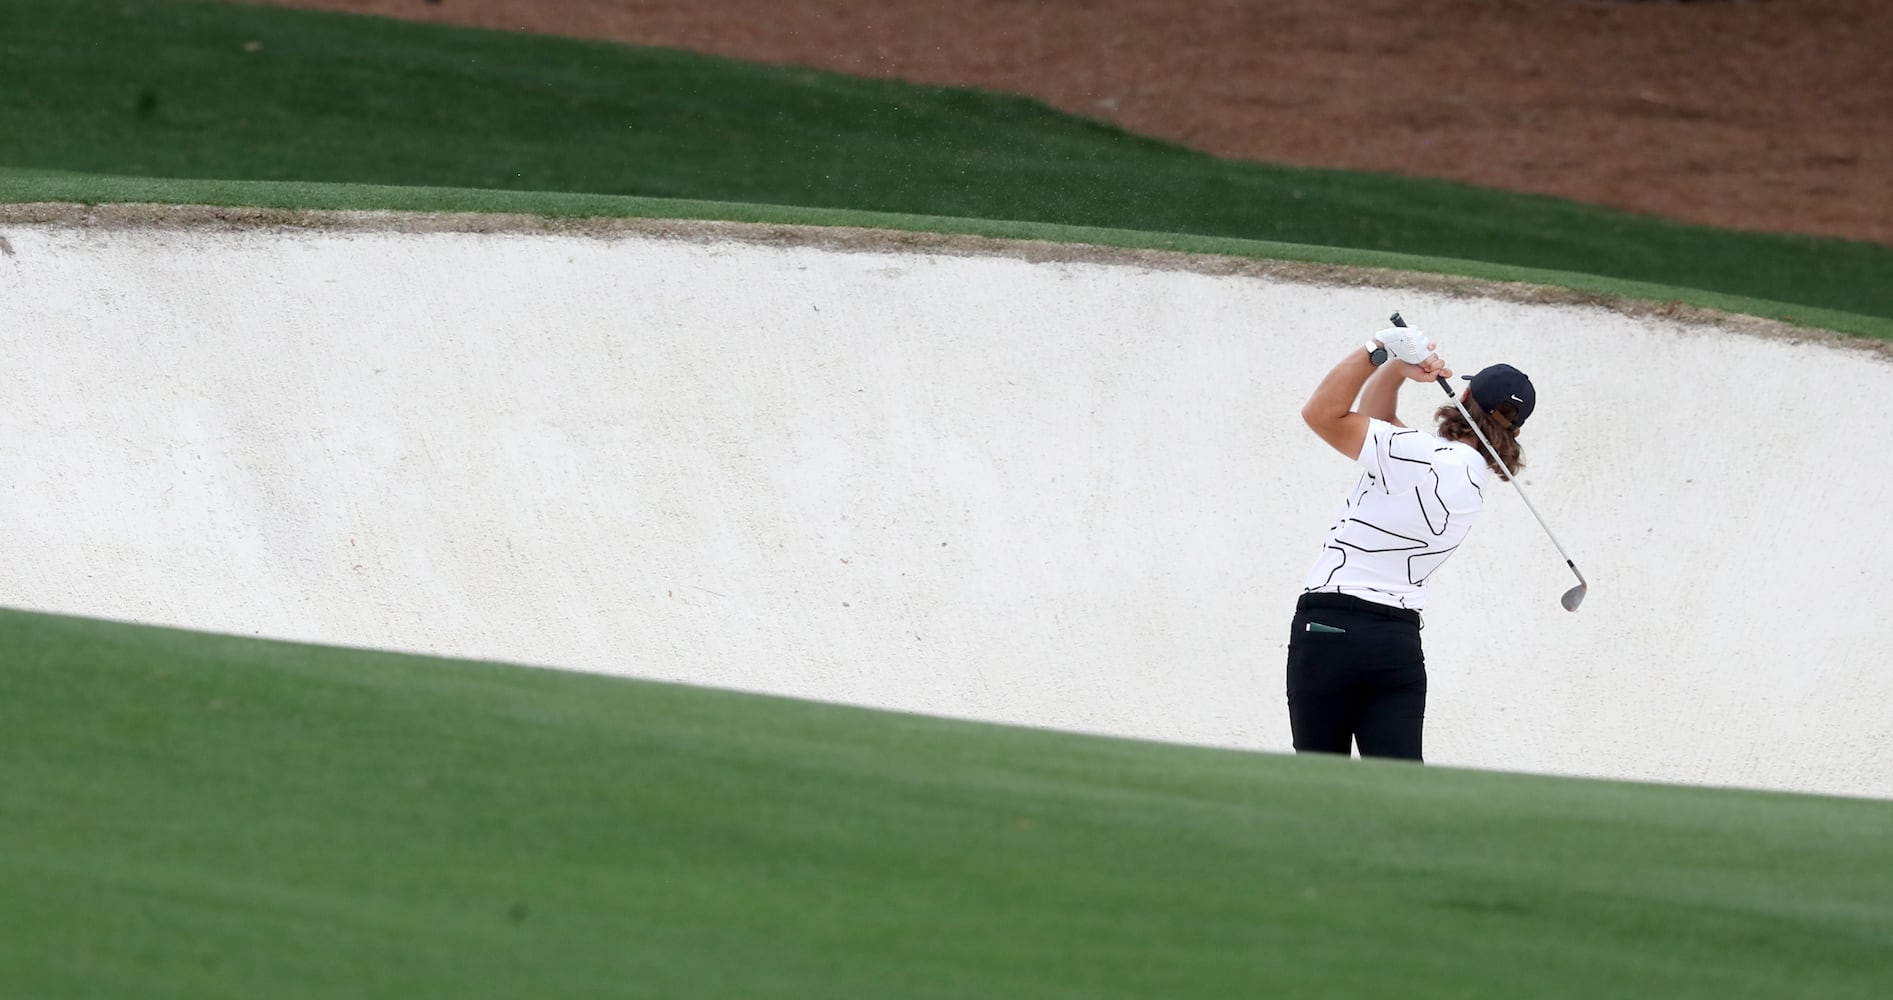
205, 816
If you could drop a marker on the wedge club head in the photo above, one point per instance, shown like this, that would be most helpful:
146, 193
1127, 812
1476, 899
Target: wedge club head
1575, 596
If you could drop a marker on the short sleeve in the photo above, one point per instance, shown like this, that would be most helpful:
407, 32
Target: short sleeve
1396, 459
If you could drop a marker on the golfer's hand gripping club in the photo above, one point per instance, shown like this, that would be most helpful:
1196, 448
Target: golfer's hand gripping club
1406, 343
1445, 386
1573, 597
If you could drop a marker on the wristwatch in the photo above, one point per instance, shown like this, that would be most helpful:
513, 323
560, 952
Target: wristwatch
1377, 352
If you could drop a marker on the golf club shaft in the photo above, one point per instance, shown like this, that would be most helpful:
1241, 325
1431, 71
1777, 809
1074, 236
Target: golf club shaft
1447, 388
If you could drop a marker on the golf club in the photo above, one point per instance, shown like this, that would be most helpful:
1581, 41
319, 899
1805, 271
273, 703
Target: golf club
1573, 597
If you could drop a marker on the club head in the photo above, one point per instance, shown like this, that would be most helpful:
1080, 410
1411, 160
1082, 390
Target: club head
1574, 597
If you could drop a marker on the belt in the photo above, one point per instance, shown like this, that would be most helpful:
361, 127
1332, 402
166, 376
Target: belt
1346, 602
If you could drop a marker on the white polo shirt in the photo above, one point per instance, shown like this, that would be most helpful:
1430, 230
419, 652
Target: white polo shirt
1417, 497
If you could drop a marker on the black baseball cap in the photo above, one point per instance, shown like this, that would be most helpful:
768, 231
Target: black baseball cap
1502, 387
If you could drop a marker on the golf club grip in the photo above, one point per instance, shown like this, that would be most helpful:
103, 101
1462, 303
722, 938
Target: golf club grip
1444, 386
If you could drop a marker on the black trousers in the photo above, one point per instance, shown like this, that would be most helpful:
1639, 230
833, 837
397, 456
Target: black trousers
1356, 675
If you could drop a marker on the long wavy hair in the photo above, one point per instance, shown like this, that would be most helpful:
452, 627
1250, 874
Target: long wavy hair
1497, 427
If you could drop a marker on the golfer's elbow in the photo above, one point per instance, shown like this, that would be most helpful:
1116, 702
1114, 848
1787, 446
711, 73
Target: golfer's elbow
1317, 416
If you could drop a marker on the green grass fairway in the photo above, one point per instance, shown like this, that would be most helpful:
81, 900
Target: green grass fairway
169, 88
200, 817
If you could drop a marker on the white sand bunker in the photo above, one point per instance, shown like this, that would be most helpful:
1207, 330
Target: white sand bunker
959, 479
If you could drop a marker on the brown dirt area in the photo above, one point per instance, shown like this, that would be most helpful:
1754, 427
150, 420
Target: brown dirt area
1772, 115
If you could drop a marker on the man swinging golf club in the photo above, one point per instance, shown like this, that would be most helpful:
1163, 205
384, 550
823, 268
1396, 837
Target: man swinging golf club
1356, 672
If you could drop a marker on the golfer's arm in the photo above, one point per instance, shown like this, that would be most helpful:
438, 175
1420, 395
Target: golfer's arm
1330, 411
1380, 397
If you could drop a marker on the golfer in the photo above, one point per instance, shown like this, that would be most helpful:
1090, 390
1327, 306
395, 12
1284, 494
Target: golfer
1356, 673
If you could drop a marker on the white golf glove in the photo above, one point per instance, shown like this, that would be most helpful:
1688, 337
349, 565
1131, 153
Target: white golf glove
1405, 343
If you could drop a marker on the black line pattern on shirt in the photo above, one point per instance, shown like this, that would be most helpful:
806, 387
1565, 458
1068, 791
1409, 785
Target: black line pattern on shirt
1470, 479
1390, 446
1445, 513
1337, 567
1418, 579
1422, 560
1416, 543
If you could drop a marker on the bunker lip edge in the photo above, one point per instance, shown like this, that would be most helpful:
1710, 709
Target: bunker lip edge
133, 215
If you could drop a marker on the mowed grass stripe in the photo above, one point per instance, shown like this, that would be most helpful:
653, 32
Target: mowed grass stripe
205, 816
177, 88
